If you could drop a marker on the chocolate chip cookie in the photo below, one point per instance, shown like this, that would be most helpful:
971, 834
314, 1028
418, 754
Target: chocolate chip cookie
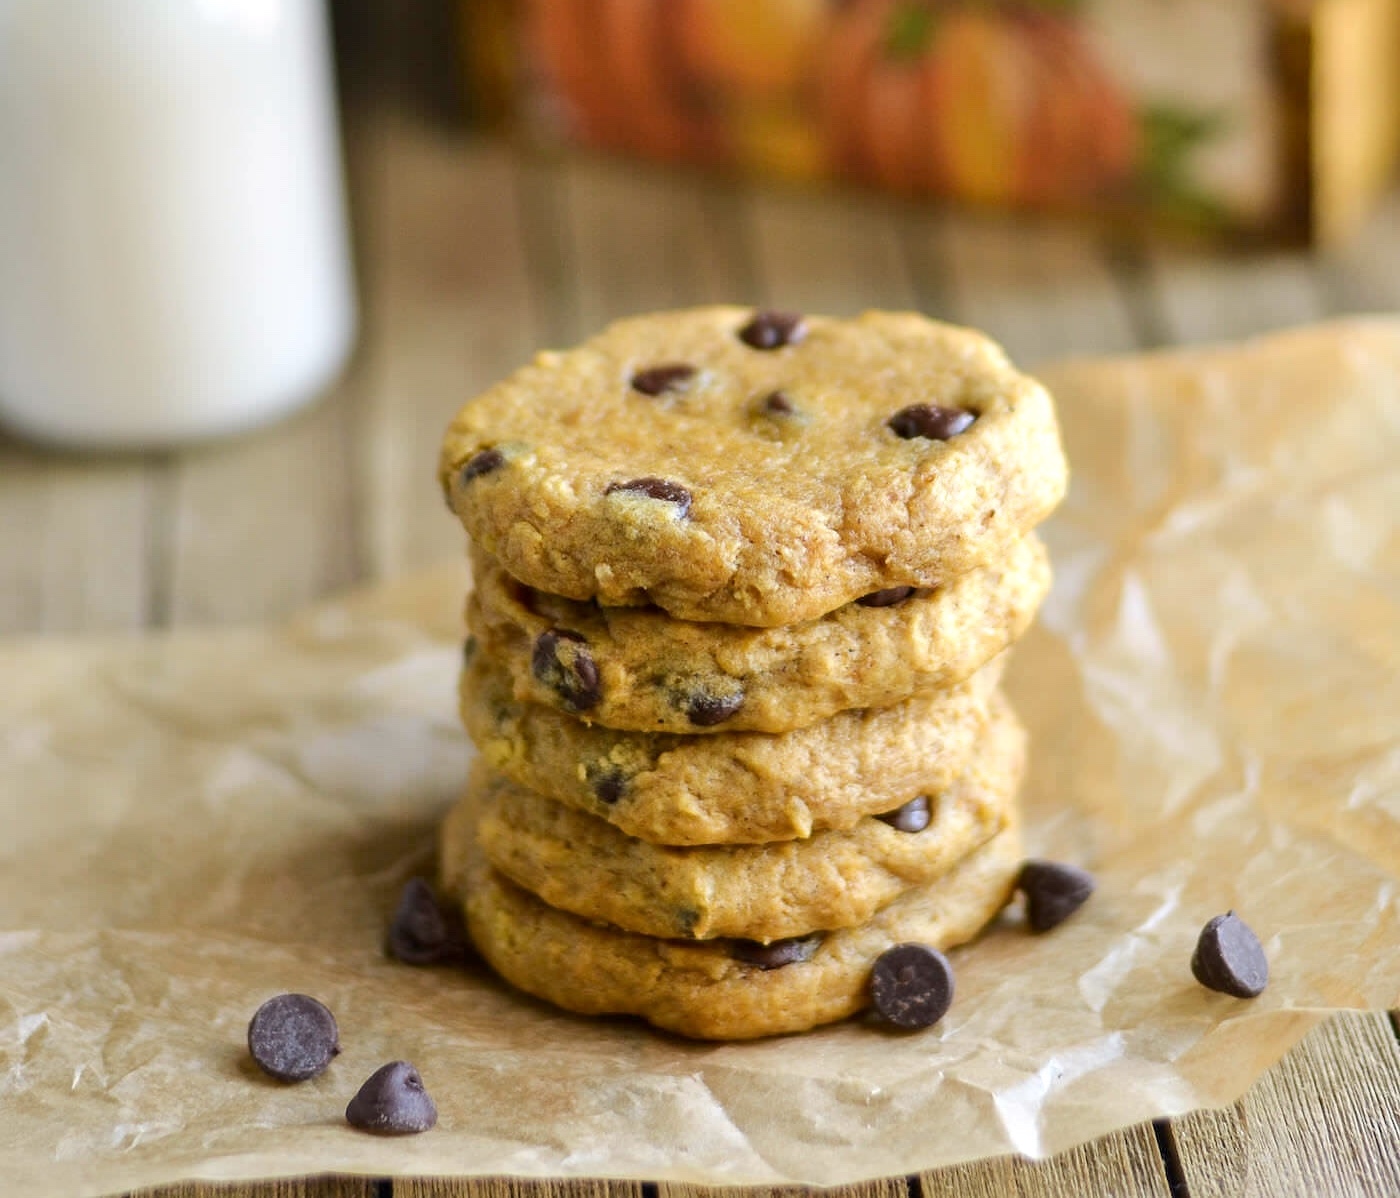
755, 468
712, 989
754, 892
636, 668
735, 788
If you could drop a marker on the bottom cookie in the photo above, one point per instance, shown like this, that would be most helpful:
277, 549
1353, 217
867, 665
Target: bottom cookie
712, 990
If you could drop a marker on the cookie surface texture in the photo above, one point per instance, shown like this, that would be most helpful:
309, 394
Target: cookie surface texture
771, 480
706, 989
652, 671
584, 865
735, 788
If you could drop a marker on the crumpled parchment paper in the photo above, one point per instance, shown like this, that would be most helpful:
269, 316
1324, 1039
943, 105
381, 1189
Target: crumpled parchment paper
192, 823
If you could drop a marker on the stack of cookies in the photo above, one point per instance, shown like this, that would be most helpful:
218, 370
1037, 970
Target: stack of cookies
745, 582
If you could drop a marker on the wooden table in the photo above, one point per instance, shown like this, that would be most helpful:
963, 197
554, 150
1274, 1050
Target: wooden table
470, 257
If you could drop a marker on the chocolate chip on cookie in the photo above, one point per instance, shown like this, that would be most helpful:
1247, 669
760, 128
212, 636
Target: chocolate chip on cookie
424, 931
777, 953
482, 463
1230, 959
293, 1037
886, 598
562, 661
1054, 891
911, 985
706, 710
931, 421
655, 488
777, 404
914, 816
392, 1102
609, 784
657, 380
773, 330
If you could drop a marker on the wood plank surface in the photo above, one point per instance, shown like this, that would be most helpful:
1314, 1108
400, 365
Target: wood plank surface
311, 1187
1125, 1164
833, 254
75, 536
1202, 296
1325, 1120
633, 241
470, 258
1043, 289
449, 308
506, 1187
280, 497
1361, 275
897, 1188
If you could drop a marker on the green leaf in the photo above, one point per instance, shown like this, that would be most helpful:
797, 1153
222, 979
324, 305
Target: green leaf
1170, 135
909, 31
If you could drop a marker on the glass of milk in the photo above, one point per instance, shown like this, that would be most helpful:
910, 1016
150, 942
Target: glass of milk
174, 260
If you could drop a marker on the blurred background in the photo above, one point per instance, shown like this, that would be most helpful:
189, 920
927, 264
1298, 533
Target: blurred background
254, 253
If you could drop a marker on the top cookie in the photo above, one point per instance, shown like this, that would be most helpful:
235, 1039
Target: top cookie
755, 468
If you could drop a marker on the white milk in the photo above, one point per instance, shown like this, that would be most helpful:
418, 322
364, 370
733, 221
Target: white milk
173, 251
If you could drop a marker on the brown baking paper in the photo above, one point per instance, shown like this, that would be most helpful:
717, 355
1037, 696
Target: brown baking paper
193, 823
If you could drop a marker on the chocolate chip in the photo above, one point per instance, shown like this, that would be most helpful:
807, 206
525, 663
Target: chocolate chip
468, 650
773, 330
914, 816
1053, 891
777, 953
912, 985
562, 661
425, 931
655, 488
1230, 959
392, 1102
293, 1037
707, 710
608, 784
778, 404
886, 598
482, 463
931, 421
655, 380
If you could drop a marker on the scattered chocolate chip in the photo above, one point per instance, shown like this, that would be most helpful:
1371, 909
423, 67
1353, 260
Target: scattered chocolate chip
777, 953
914, 816
886, 598
929, 420
655, 488
707, 710
609, 784
468, 650
392, 1102
425, 931
562, 661
1230, 959
778, 404
773, 330
293, 1037
912, 985
482, 463
655, 380
1053, 891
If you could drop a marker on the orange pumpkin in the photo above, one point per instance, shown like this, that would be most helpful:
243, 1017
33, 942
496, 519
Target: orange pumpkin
616, 68
748, 50
993, 103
